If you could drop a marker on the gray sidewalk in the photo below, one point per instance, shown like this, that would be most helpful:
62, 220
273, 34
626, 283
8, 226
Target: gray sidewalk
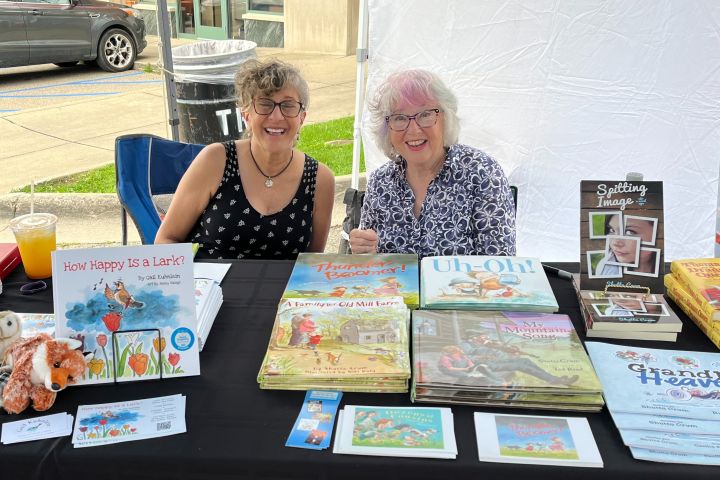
37, 148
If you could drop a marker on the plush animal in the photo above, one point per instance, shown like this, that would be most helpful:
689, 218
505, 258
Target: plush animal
40, 367
10, 330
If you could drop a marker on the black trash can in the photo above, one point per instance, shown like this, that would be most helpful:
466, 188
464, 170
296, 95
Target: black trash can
205, 84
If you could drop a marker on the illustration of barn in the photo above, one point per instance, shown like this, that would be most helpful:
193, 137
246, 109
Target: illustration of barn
352, 332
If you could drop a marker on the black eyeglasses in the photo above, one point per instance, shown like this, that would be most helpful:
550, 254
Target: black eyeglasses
288, 108
399, 122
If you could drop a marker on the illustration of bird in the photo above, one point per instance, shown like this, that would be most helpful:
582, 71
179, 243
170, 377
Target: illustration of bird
122, 296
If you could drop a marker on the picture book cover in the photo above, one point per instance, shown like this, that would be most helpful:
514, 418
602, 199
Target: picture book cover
660, 423
338, 338
672, 442
396, 431
673, 457
327, 275
133, 307
485, 283
692, 309
622, 240
658, 382
500, 351
701, 279
628, 311
564, 441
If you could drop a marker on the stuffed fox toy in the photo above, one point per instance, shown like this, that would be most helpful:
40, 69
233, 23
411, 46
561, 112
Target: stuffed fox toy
40, 367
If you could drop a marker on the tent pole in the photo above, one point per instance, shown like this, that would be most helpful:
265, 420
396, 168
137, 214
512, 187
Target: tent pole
362, 56
167, 68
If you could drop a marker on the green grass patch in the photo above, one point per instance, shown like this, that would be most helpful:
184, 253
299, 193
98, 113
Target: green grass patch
313, 141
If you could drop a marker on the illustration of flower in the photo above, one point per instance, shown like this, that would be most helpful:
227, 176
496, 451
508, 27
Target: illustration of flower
91, 435
114, 432
102, 422
138, 363
174, 359
83, 430
159, 344
112, 321
96, 366
101, 339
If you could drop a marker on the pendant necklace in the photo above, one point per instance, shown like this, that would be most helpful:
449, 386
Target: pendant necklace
269, 179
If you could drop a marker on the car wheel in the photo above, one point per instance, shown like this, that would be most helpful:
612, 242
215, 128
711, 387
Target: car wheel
66, 64
116, 51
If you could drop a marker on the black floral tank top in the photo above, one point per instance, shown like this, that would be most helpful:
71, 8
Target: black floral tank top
231, 228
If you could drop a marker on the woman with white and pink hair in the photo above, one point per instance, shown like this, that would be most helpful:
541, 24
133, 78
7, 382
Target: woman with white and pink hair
435, 196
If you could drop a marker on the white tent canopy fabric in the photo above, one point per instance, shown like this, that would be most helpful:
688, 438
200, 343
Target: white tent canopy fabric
559, 92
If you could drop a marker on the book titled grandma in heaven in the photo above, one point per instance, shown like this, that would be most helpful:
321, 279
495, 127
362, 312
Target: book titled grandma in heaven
326, 275
658, 382
485, 283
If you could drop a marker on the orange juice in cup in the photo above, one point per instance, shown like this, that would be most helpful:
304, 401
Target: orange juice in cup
35, 236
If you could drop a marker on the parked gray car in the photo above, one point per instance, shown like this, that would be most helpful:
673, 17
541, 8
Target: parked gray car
65, 32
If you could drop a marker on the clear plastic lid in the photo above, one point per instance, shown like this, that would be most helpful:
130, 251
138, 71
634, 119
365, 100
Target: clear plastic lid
33, 221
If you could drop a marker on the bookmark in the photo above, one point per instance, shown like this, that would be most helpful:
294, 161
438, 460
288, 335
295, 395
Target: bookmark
314, 424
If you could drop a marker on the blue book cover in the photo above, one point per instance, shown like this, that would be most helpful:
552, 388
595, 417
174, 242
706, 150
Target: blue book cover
673, 457
659, 423
672, 442
658, 382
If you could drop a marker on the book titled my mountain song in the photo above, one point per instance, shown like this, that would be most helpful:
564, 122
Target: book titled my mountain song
485, 283
324, 275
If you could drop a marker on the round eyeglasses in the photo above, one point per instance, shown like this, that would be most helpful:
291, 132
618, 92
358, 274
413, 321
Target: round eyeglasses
399, 122
288, 108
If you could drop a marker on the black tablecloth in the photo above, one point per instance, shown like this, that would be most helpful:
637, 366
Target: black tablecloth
236, 430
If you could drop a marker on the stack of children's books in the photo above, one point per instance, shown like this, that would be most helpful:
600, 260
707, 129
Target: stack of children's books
666, 403
396, 431
694, 285
628, 315
208, 300
343, 324
485, 283
531, 360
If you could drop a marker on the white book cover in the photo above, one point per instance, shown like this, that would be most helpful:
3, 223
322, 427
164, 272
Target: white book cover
133, 307
651, 381
396, 432
672, 442
535, 440
672, 457
659, 423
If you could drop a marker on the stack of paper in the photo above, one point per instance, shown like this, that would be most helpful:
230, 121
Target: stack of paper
208, 300
563, 441
665, 403
107, 423
513, 359
353, 345
426, 432
37, 428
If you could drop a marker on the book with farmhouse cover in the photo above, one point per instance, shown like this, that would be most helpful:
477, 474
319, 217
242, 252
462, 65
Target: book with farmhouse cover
700, 277
345, 344
326, 275
677, 292
459, 351
658, 382
485, 283
132, 306
622, 240
536, 440
628, 312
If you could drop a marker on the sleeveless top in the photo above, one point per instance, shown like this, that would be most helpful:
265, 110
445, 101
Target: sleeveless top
230, 227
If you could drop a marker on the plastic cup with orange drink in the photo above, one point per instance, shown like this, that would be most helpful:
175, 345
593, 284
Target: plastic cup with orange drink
35, 236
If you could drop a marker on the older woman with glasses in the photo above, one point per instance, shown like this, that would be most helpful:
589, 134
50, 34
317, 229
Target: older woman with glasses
258, 197
435, 196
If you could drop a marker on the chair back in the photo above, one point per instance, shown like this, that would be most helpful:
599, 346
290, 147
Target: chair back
148, 165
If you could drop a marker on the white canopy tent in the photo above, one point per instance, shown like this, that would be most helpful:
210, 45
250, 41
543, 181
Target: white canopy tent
559, 92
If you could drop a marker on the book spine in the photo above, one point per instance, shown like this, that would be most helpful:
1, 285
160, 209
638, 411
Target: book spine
693, 287
683, 298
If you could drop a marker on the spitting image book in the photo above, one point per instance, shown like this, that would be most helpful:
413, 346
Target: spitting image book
132, 307
485, 283
622, 240
324, 275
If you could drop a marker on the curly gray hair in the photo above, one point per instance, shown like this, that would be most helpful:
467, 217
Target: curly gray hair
416, 87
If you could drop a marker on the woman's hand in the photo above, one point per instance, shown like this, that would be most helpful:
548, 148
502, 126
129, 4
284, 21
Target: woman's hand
363, 241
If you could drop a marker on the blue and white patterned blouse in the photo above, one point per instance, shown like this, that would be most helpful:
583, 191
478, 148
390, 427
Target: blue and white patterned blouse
468, 209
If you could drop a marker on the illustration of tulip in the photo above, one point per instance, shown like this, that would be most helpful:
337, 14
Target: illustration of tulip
101, 340
96, 366
83, 430
103, 422
112, 321
159, 344
114, 432
138, 363
174, 359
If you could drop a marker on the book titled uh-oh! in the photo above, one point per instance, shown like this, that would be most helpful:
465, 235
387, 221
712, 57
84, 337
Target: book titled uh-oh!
133, 307
622, 238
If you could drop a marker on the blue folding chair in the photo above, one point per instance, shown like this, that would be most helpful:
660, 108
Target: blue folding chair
145, 166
